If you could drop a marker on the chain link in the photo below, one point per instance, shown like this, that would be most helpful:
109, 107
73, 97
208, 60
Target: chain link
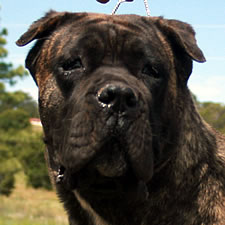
146, 7
122, 1
117, 6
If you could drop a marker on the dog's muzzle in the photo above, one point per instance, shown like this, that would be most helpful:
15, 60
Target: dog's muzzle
106, 131
120, 106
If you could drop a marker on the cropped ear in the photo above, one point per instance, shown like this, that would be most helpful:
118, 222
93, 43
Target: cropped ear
40, 30
43, 27
181, 35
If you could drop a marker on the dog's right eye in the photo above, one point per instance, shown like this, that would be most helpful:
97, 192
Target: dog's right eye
70, 65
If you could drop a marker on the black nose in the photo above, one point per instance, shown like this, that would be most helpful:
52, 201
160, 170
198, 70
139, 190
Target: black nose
119, 98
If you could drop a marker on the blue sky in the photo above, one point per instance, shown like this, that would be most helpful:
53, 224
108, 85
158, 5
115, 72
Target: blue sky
206, 16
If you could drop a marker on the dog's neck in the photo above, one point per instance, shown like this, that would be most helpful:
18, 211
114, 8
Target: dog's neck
195, 171
196, 143
113, 211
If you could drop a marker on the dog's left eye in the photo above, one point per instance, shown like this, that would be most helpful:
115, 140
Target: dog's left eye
150, 71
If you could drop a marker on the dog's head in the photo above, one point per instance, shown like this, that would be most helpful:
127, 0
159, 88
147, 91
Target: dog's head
110, 88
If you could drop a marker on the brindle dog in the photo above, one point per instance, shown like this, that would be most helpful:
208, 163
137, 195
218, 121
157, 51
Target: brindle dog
125, 143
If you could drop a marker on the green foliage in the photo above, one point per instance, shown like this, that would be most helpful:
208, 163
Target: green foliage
214, 114
32, 159
30, 106
7, 72
15, 110
7, 179
18, 142
3, 51
9, 165
12, 119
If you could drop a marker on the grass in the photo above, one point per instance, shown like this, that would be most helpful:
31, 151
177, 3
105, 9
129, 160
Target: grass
28, 206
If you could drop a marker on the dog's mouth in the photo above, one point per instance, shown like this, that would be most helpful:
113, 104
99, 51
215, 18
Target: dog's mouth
107, 187
112, 155
98, 185
92, 184
105, 154
125, 187
107, 168
112, 161
89, 180
109, 174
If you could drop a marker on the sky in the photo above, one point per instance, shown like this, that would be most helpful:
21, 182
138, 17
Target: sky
207, 17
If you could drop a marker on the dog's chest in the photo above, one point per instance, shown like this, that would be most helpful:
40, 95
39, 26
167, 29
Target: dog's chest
94, 216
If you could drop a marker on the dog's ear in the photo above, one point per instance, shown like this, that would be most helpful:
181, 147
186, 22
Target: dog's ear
42, 27
40, 30
181, 35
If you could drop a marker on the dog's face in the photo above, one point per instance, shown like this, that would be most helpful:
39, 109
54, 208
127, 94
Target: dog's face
109, 93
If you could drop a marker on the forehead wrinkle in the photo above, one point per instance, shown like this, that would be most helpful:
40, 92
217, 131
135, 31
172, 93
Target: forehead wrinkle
117, 37
113, 46
99, 36
54, 46
120, 21
169, 54
167, 51
59, 42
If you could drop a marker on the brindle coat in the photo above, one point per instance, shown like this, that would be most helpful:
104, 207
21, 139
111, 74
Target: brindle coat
119, 121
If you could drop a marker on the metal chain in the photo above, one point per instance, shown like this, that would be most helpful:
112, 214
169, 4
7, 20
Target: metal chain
121, 1
117, 6
146, 7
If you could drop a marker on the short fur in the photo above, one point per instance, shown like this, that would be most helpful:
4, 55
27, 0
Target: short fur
125, 143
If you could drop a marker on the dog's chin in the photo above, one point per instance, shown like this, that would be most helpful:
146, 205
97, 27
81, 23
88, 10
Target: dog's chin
114, 166
92, 184
108, 175
112, 161
108, 172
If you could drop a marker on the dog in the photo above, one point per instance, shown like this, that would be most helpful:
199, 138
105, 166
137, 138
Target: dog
125, 143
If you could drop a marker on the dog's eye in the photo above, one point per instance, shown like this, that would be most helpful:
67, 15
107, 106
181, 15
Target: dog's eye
150, 71
70, 65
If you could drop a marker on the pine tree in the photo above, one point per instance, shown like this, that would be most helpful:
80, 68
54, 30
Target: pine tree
20, 147
12, 116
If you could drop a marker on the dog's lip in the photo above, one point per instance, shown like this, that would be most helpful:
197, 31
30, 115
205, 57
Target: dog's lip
102, 185
118, 124
106, 187
92, 183
125, 187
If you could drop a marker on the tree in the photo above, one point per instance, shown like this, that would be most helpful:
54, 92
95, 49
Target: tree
20, 146
32, 160
12, 117
7, 72
214, 114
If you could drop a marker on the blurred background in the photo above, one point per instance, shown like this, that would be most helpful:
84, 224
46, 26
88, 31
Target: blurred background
26, 196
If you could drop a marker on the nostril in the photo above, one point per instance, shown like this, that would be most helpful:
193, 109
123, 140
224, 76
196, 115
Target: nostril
107, 95
130, 98
117, 97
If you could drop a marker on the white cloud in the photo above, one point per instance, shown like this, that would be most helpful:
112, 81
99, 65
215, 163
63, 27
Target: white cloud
211, 88
17, 59
33, 91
